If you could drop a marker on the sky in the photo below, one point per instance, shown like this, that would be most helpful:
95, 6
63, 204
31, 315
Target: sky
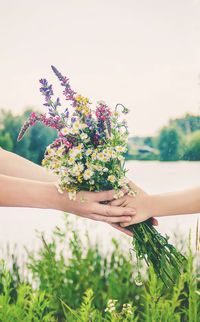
144, 54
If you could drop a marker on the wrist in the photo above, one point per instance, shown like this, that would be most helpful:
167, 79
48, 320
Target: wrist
55, 199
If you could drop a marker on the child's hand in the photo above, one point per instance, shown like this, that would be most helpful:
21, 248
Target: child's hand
141, 204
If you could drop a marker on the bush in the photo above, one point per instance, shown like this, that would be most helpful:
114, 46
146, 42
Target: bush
170, 143
193, 147
88, 286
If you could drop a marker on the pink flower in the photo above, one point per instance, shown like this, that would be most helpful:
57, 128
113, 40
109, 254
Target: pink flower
33, 115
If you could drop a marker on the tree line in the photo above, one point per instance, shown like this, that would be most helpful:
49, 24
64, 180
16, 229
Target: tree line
178, 140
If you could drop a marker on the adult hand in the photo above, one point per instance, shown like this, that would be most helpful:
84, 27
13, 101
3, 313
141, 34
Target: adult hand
140, 203
88, 204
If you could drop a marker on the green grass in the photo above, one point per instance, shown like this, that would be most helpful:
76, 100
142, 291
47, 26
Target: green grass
77, 283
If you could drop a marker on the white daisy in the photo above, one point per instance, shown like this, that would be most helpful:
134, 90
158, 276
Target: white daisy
72, 195
64, 130
87, 174
100, 156
118, 194
111, 178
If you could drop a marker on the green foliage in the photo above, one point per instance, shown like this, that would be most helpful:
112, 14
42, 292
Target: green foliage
33, 145
6, 141
193, 147
187, 124
170, 143
77, 283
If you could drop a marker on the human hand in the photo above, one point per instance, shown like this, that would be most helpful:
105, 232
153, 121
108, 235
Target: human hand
88, 205
141, 204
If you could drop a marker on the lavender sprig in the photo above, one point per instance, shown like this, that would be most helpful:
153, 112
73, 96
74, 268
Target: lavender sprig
68, 92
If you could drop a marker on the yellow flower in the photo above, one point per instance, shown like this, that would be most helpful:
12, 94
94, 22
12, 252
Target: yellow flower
44, 162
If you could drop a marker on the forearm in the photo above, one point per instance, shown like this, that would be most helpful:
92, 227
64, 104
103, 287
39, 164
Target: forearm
175, 203
18, 192
12, 164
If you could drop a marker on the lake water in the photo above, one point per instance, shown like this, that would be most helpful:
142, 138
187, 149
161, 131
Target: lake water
18, 225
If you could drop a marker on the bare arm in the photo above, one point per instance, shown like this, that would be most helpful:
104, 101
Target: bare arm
18, 192
166, 204
13, 165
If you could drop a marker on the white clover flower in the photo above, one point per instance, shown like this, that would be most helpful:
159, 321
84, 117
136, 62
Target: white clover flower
87, 174
64, 131
111, 178
118, 194
72, 195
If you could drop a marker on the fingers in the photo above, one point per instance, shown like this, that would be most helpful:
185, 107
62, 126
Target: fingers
107, 210
133, 186
154, 222
136, 221
126, 231
103, 195
117, 202
111, 220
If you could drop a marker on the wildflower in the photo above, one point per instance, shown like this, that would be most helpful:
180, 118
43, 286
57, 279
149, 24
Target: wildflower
93, 156
71, 160
64, 131
59, 187
118, 194
44, 162
83, 136
121, 158
132, 193
122, 182
105, 158
111, 178
72, 195
88, 174
76, 125
98, 167
116, 114
88, 152
120, 149
100, 156
74, 131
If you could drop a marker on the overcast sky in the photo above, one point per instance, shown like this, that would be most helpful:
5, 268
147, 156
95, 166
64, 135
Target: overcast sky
142, 53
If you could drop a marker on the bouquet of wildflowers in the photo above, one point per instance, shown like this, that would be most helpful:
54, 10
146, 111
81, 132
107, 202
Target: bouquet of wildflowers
88, 155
